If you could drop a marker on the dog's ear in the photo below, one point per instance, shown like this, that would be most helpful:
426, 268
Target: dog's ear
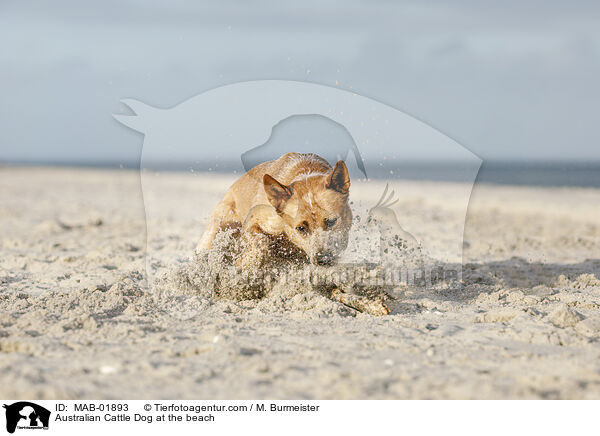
277, 193
339, 179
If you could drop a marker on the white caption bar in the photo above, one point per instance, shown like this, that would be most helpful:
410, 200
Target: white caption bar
151, 417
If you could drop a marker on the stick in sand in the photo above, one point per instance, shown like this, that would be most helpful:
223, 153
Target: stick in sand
363, 304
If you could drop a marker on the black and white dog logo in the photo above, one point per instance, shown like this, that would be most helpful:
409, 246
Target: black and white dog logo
26, 415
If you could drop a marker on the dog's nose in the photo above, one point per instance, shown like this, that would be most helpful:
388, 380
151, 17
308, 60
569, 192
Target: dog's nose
324, 258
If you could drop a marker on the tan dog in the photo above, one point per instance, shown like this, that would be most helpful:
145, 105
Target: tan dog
292, 207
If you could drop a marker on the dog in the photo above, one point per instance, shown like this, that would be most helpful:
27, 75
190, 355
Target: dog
292, 207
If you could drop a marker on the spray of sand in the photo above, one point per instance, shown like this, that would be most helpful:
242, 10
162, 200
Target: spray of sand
359, 285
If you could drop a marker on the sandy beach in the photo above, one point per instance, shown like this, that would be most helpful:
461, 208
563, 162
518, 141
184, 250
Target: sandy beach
78, 319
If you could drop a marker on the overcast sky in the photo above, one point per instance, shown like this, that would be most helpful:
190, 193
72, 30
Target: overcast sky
508, 80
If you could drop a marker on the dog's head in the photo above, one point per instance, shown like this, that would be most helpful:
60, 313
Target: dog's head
315, 212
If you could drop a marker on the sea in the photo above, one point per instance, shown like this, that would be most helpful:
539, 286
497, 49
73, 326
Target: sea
519, 173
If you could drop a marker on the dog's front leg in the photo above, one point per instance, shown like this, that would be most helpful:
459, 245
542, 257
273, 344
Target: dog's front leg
255, 249
224, 216
261, 221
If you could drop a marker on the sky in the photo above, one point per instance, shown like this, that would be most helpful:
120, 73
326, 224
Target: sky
507, 80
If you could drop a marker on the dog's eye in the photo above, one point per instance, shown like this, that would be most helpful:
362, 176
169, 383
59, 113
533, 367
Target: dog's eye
302, 228
330, 222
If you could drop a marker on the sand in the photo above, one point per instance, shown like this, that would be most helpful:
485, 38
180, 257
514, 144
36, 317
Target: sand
78, 319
